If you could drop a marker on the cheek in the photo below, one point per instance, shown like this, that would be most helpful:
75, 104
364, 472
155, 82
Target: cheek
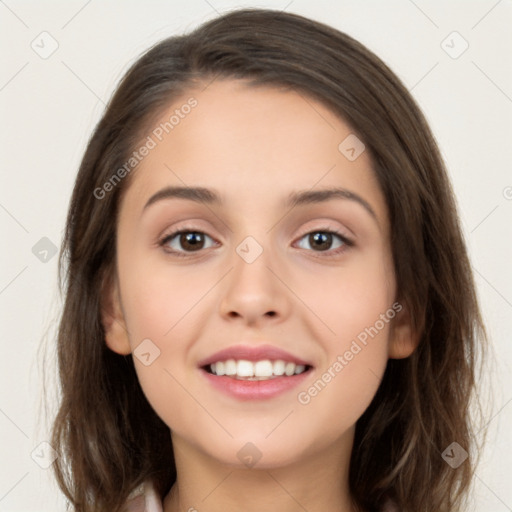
343, 387
161, 308
357, 307
156, 297
351, 299
338, 397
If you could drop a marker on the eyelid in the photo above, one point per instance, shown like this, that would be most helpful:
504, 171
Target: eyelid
347, 242
329, 224
174, 232
340, 231
182, 226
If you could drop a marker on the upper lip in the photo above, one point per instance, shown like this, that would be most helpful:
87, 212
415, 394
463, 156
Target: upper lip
252, 353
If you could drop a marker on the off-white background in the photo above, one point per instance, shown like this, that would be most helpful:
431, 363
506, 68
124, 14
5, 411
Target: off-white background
50, 106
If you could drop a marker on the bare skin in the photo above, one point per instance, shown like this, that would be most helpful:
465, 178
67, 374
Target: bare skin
254, 147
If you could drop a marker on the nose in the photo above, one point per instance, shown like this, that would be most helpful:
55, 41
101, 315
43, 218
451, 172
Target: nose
255, 293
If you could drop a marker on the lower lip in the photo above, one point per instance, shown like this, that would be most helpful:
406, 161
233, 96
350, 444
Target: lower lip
255, 389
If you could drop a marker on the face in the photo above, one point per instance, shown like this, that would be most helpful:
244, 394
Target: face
305, 287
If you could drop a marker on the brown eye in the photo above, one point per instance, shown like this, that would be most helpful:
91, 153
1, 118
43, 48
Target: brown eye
321, 241
191, 241
185, 241
325, 241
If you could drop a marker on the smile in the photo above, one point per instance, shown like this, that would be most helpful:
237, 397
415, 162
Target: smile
256, 370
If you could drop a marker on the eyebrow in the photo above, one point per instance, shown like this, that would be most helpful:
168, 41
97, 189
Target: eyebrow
298, 198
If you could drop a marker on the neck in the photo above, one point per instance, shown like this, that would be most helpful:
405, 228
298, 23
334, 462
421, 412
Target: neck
315, 483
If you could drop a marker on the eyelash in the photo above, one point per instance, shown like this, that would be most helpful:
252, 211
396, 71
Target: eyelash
347, 243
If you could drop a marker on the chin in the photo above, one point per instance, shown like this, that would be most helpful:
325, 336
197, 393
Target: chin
256, 453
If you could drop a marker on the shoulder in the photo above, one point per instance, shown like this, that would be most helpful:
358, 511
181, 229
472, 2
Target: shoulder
143, 499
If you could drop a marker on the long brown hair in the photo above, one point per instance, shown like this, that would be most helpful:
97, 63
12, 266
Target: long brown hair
108, 436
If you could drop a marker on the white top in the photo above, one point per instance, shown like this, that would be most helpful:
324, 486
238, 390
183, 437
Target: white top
144, 499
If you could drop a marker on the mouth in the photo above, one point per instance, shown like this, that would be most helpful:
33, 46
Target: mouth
247, 372
262, 370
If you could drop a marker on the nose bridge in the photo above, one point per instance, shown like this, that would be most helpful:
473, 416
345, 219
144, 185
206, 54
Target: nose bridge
253, 290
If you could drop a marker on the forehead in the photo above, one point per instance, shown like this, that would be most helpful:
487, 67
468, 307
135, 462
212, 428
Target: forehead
253, 144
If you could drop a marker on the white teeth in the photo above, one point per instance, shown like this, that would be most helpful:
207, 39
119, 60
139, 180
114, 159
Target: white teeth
263, 369
230, 367
299, 369
244, 368
219, 369
279, 367
289, 369
259, 370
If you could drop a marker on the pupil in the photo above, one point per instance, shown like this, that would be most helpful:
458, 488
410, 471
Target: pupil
322, 238
193, 240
